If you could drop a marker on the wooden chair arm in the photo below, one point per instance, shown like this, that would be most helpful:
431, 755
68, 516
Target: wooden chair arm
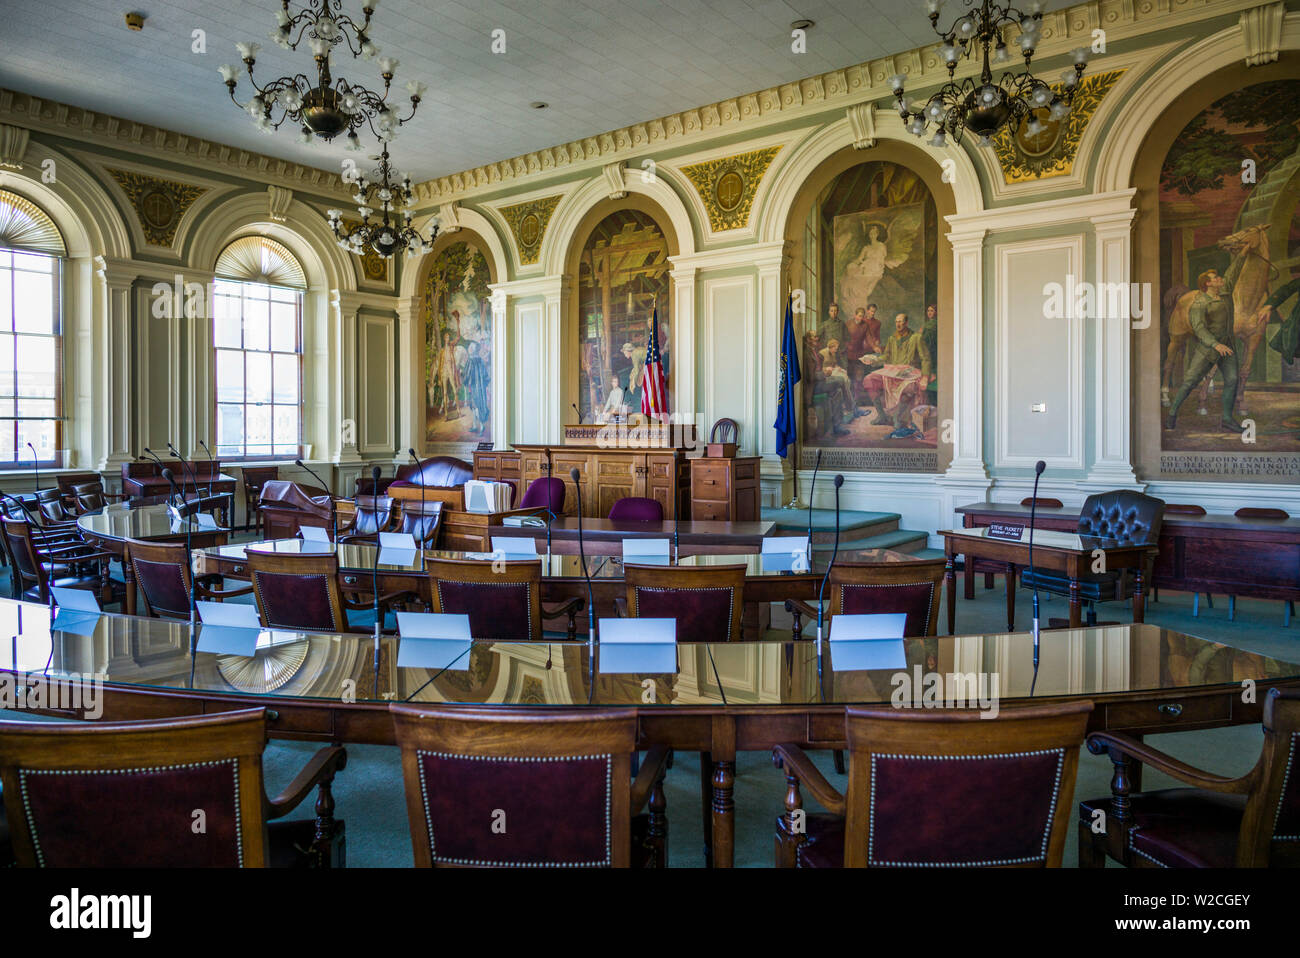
653, 768
220, 594
798, 765
620, 606
802, 607
320, 769
1115, 743
553, 610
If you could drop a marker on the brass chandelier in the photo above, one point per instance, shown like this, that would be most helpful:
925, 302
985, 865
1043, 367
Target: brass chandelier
983, 106
386, 236
325, 106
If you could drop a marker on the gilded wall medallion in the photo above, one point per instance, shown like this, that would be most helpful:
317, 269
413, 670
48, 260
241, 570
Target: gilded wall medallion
1051, 151
373, 266
158, 204
728, 186
528, 223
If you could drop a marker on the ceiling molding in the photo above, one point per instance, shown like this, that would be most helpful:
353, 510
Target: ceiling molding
1062, 31
141, 139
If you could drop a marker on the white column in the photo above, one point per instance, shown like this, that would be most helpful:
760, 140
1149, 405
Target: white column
1112, 465
342, 440
501, 381
771, 316
968, 357
410, 379
682, 346
198, 406
114, 399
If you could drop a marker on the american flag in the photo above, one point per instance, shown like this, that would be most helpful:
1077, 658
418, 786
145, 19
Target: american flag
654, 391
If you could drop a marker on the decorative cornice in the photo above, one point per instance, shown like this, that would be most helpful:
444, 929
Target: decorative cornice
1261, 28
528, 222
1062, 30
1057, 159
159, 204
60, 119
727, 186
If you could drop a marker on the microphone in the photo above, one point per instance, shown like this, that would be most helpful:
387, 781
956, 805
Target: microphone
189, 555
574, 405
1033, 508
334, 512
423, 520
161, 465
36, 464
582, 555
211, 468
375, 473
172, 449
839, 481
812, 489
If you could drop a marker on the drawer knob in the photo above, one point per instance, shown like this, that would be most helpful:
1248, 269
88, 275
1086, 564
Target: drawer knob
350, 579
1172, 709
238, 569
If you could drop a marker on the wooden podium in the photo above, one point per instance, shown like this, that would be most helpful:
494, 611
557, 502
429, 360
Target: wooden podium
614, 462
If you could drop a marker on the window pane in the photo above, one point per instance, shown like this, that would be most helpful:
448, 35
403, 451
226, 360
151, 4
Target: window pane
226, 324
258, 377
34, 262
230, 428
33, 302
257, 320
286, 377
258, 428
36, 408
230, 375
40, 433
8, 453
36, 365
6, 366
284, 327
286, 425
6, 299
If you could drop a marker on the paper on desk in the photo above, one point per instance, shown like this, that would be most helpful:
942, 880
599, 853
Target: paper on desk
785, 545
229, 628
81, 600
437, 654
433, 625
861, 642
637, 658
783, 562
515, 545
78, 623
645, 547
205, 521
314, 534
398, 556
397, 540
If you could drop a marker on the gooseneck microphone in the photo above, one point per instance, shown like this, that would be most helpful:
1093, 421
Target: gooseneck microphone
161, 465
334, 512
574, 405
1033, 509
419, 472
212, 472
582, 556
36, 464
375, 473
839, 481
189, 554
185, 463
811, 490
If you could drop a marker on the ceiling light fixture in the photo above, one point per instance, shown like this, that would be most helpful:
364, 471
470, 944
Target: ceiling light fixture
386, 237
984, 107
331, 106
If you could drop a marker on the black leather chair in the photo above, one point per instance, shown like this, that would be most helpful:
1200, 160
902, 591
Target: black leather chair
1120, 517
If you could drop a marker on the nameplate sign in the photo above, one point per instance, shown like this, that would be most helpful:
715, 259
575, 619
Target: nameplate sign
1010, 531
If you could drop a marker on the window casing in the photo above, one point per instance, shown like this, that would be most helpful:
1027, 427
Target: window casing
31, 358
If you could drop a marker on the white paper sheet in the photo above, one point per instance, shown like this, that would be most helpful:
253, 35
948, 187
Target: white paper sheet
639, 548
433, 625
515, 545
436, 654
314, 534
82, 600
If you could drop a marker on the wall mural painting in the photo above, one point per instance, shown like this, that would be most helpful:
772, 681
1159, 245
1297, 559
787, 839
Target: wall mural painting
1230, 288
871, 341
622, 274
458, 347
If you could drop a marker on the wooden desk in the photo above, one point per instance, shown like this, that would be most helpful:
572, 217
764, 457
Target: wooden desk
1074, 563
1259, 558
604, 537
726, 488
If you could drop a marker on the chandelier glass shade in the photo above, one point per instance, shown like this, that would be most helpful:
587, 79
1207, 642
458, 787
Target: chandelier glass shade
323, 105
384, 205
984, 106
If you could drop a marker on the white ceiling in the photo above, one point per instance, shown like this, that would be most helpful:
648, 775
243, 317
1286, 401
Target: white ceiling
600, 64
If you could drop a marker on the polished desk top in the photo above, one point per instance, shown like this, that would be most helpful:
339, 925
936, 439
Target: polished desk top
156, 654
126, 520
360, 557
566, 527
1207, 522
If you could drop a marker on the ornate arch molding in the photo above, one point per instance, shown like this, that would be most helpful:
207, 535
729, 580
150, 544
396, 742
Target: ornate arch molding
468, 221
1170, 85
804, 158
89, 220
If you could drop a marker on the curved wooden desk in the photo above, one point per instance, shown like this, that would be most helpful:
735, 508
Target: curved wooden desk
325, 687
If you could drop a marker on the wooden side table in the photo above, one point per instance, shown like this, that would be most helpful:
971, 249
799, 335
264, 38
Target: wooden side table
725, 489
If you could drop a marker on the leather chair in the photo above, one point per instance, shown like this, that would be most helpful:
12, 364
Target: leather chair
1117, 518
562, 779
122, 795
302, 592
286, 506
503, 599
1246, 822
545, 493
162, 578
707, 601
636, 509
374, 514
41, 561
68, 481
91, 497
995, 791
423, 520
437, 471
255, 477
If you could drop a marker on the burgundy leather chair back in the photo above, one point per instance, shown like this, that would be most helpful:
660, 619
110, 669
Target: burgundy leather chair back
1122, 516
18, 536
422, 520
298, 592
706, 601
545, 493
90, 496
636, 509
374, 514
123, 794
996, 791
912, 588
1270, 832
555, 785
503, 603
163, 583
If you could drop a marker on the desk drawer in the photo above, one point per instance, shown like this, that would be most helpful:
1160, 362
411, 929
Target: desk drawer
703, 509
1171, 710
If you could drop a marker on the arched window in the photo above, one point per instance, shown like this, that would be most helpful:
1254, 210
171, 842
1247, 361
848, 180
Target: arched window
31, 327
257, 338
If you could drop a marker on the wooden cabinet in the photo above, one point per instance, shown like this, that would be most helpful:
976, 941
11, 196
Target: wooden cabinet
606, 475
725, 489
